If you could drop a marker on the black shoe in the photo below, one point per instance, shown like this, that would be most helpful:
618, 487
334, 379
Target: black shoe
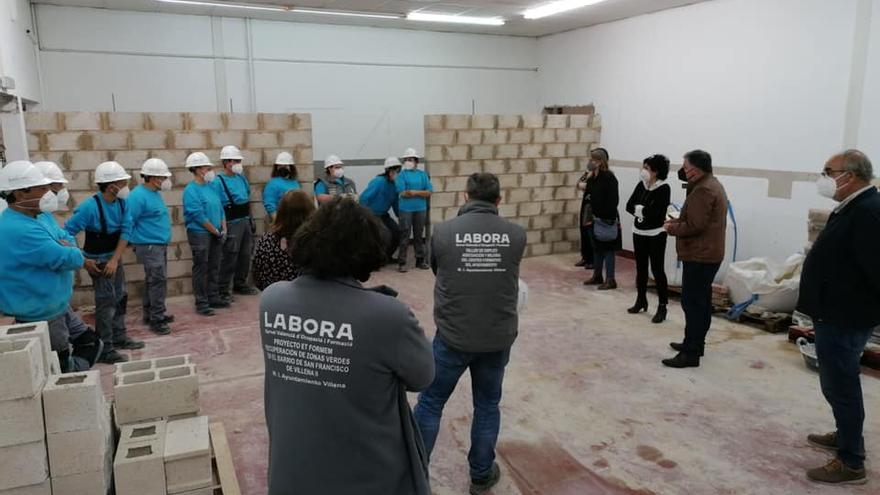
678, 346
588, 266
640, 305
422, 265
581, 263
683, 360
401, 268
594, 281
479, 487
129, 344
660, 317
112, 357
220, 303
163, 319
160, 328
205, 311
246, 291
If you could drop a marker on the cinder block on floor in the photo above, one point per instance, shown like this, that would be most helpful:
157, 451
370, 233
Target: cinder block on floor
153, 364
23, 465
147, 431
187, 455
38, 330
96, 482
73, 401
21, 369
21, 421
156, 393
44, 488
139, 468
77, 452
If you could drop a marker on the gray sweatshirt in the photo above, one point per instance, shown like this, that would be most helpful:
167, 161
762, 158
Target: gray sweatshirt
339, 359
476, 258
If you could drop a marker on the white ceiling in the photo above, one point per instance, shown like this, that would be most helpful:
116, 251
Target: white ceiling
511, 10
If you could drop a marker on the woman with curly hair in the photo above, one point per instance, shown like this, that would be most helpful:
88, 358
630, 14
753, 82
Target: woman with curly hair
272, 261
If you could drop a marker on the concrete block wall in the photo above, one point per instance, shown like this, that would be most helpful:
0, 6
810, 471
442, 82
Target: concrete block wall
537, 158
79, 141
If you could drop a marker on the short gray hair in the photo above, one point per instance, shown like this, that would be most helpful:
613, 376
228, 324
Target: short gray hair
858, 164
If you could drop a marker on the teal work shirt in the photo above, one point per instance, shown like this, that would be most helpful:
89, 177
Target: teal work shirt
148, 217
274, 191
201, 204
55, 230
413, 180
239, 188
37, 269
380, 196
87, 217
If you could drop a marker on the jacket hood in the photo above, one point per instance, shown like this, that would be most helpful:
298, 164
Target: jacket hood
478, 207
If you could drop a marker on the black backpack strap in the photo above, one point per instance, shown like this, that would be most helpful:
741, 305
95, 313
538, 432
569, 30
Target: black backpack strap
101, 214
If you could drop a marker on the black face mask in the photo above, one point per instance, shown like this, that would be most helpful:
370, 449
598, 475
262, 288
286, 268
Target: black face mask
682, 176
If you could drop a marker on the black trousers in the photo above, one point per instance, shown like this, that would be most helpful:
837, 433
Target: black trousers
651, 250
586, 245
696, 301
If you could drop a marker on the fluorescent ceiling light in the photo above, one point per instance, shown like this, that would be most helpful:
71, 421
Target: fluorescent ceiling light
557, 7
228, 5
455, 19
348, 14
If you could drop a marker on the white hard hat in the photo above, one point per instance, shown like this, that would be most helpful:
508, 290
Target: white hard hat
21, 174
155, 167
198, 159
284, 158
52, 172
410, 153
331, 161
230, 152
392, 162
110, 172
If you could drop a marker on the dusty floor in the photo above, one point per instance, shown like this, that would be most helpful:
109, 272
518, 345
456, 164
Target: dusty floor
588, 408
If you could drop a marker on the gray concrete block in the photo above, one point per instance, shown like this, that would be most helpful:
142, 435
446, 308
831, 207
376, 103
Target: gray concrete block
21, 368
156, 393
77, 452
39, 330
140, 469
208, 490
21, 421
147, 431
96, 482
73, 401
23, 465
187, 455
44, 488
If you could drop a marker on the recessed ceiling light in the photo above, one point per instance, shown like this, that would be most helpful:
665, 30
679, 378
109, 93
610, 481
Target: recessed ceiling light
455, 19
557, 7
274, 8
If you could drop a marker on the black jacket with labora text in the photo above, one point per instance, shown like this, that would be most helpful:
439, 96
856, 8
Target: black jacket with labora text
476, 258
840, 282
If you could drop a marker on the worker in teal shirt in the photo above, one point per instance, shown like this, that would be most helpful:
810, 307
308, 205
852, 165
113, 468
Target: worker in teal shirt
205, 231
380, 197
150, 234
37, 268
103, 219
58, 186
414, 187
235, 193
283, 179
334, 183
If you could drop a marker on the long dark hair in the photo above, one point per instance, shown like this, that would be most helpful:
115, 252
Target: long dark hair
276, 171
294, 209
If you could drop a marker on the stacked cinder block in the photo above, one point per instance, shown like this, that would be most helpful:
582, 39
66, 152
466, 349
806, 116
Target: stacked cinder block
79, 141
23, 460
37, 331
188, 456
79, 434
140, 466
537, 158
155, 388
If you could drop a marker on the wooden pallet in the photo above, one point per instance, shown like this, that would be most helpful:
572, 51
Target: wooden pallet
870, 359
225, 480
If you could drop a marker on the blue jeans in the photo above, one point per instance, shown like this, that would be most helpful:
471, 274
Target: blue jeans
601, 258
839, 350
487, 376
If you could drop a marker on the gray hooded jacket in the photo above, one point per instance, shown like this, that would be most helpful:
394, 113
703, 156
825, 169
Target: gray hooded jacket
476, 258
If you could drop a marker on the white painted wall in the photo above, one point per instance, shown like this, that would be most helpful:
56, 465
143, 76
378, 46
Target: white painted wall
869, 130
367, 89
758, 83
17, 56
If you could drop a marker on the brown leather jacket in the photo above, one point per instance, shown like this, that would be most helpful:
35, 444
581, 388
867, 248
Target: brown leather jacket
702, 226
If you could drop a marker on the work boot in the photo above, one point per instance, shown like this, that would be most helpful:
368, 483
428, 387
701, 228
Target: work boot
205, 311
128, 343
163, 319
246, 291
220, 303
837, 473
160, 328
827, 441
401, 268
660, 316
679, 346
422, 265
609, 284
112, 357
638, 307
596, 280
478, 487
683, 360
581, 263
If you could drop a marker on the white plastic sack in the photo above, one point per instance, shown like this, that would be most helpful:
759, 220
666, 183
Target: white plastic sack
523, 296
776, 285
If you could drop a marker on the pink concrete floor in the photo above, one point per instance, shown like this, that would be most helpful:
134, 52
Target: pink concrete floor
588, 408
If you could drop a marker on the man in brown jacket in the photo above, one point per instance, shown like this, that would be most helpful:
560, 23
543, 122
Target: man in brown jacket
700, 231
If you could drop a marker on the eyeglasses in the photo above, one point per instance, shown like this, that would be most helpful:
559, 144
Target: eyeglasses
829, 172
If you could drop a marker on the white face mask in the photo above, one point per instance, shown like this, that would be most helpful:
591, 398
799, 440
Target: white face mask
339, 173
210, 176
644, 175
49, 202
409, 164
166, 185
826, 186
238, 169
63, 197
123, 192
